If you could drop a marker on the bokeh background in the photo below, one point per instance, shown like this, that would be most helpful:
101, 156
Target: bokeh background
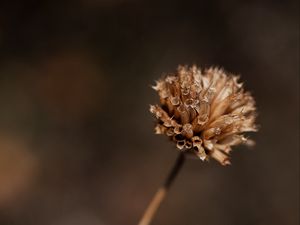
76, 139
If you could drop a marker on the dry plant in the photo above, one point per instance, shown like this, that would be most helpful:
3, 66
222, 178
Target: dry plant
204, 113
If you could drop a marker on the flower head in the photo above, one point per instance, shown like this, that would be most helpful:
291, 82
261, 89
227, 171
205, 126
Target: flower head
204, 113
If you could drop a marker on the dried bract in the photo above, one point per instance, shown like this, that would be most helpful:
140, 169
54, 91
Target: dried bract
204, 113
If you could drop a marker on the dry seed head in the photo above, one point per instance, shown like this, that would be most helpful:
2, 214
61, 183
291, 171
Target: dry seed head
204, 113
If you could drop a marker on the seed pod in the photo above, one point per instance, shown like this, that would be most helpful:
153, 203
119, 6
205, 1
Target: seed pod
204, 112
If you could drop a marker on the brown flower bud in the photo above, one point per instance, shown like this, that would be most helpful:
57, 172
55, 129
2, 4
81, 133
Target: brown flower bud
204, 113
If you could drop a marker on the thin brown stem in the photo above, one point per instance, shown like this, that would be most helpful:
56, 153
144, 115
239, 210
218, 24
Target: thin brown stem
162, 192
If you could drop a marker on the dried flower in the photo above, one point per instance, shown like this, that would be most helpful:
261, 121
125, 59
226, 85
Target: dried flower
204, 113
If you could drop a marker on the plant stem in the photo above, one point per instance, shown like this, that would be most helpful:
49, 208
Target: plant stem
162, 192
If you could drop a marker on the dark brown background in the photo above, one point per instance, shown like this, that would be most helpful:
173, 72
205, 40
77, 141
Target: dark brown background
76, 138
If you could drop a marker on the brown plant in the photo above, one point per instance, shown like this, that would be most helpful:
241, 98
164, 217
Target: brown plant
205, 114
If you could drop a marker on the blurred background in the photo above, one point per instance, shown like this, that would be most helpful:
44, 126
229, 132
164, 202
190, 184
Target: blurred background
76, 139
